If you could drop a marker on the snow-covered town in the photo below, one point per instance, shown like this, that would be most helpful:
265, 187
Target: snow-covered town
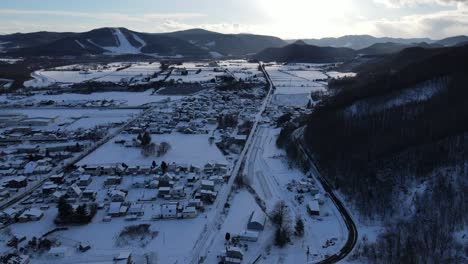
184, 168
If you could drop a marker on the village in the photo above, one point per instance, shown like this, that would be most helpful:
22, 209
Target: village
182, 173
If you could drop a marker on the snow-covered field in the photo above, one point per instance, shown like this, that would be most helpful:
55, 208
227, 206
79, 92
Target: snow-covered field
185, 149
295, 81
72, 119
82, 73
125, 98
244, 70
269, 173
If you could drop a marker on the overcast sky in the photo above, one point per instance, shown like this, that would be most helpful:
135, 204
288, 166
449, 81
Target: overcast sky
283, 18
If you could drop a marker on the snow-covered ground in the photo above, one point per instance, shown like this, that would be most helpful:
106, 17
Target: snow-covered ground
124, 98
72, 74
185, 149
72, 119
269, 173
296, 81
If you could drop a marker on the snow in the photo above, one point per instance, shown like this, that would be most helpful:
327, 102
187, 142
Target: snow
421, 92
80, 44
140, 40
216, 55
185, 149
67, 75
78, 118
295, 81
269, 174
124, 46
335, 74
126, 98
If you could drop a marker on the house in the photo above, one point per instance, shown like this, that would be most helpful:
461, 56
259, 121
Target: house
136, 209
113, 180
169, 210
84, 180
117, 195
9, 215
89, 195
257, 221
313, 207
74, 192
114, 209
207, 185
33, 214
189, 212
49, 188
197, 203
234, 255
178, 191
167, 180
163, 191
57, 178
17, 182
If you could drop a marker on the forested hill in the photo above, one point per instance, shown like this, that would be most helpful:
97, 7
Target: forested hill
394, 140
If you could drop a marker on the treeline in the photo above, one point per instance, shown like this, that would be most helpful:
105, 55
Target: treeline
378, 158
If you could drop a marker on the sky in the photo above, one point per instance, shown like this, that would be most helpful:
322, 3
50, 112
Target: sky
288, 19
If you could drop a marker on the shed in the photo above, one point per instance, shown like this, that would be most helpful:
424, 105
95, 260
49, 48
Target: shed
257, 221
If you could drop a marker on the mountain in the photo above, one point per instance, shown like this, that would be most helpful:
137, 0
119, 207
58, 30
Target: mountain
195, 43
391, 47
453, 41
227, 44
22, 40
305, 53
360, 41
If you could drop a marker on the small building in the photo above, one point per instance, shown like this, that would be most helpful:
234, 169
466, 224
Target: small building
117, 196
113, 180
257, 221
313, 207
33, 214
136, 209
189, 212
234, 255
59, 252
84, 180
207, 185
169, 210
74, 191
248, 235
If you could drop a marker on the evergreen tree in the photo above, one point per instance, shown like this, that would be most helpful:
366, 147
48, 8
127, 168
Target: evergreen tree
163, 167
299, 227
65, 210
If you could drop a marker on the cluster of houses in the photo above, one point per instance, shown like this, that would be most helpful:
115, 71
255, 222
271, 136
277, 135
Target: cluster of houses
182, 191
194, 115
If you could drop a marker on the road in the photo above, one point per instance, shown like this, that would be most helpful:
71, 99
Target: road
207, 237
348, 220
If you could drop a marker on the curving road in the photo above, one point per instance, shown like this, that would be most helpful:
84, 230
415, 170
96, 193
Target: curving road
348, 220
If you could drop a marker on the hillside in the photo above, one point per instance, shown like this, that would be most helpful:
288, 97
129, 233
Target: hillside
305, 53
117, 41
393, 140
361, 41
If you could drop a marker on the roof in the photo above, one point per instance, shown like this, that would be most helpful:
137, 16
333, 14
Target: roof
258, 217
313, 205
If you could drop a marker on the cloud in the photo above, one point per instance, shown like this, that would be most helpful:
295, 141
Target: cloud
141, 18
406, 3
435, 25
